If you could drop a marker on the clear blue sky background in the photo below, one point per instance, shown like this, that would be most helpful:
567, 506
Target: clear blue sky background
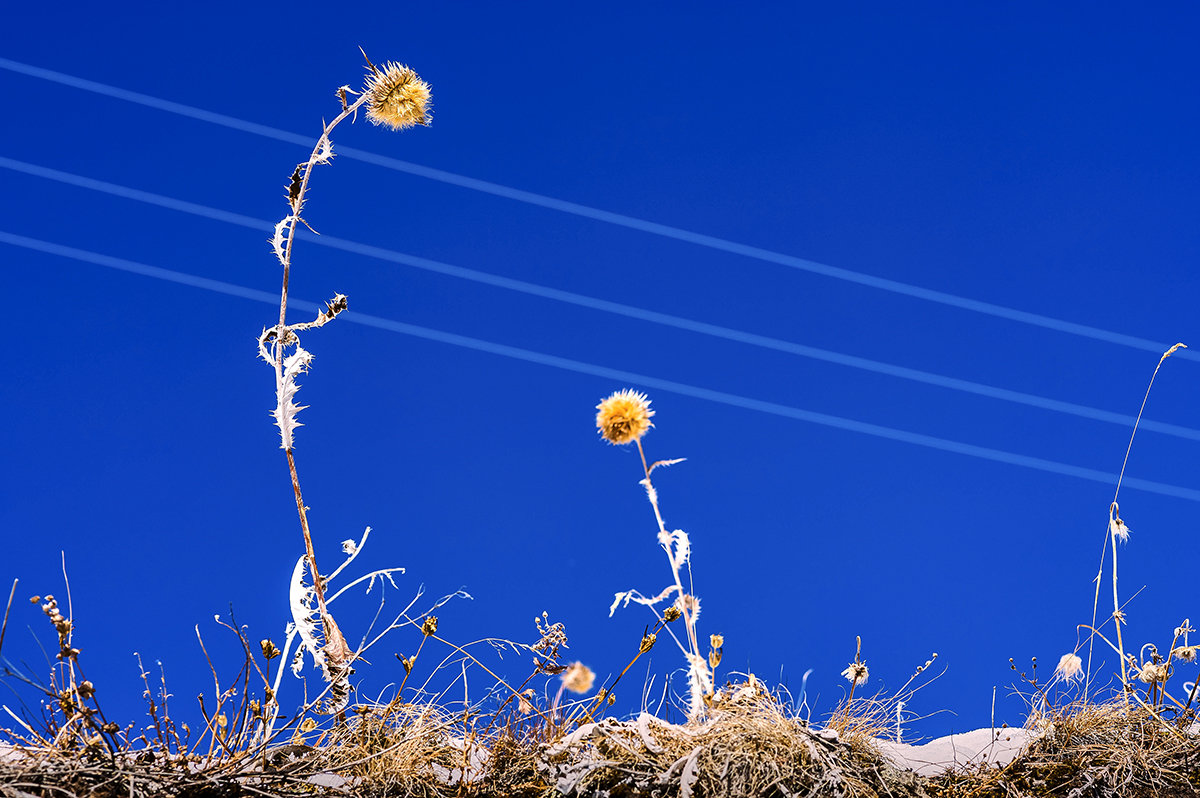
1038, 158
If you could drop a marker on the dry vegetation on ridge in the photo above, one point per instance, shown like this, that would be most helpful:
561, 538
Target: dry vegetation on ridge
550, 735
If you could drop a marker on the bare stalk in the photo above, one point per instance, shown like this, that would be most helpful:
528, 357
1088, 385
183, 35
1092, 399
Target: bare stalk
1115, 524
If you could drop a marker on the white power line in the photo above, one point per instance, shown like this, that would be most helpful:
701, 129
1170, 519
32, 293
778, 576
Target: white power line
629, 311
621, 220
617, 375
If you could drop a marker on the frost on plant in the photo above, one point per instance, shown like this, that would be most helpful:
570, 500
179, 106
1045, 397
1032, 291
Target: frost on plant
286, 408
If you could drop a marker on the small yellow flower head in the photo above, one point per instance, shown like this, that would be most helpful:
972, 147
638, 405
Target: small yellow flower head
624, 417
397, 97
1070, 668
578, 678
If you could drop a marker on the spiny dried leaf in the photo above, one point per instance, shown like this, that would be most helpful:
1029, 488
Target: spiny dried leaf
665, 463
278, 241
286, 408
624, 597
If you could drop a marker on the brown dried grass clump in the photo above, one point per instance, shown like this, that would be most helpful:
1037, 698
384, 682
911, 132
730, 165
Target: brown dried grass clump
1093, 751
398, 749
747, 746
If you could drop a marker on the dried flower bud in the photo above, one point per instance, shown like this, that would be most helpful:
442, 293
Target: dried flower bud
112, 728
647, 643
1118, 529
397, 97
624, 417
716, 641
525, 702
407, 662
578, 678
1186, 653
222, 721
671, 613
1153, 673
86, 689
1070, 667
429, 626
268, 649
612, 699
856, 672
307, 725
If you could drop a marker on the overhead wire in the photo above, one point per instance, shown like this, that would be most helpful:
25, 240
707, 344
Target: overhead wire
609, 217
606, 306
604, 372
581, 300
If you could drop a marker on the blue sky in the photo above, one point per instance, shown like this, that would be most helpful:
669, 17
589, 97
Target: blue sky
938, 251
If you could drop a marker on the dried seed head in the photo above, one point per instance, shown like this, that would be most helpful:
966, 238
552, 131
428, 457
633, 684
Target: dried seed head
1118, 530
525, 702
716, 641
647, 643
1070, 667
578, 678
856, 672
671, 613
612, 699
429, 626
269, 651
1153, 673
86, 689
624, 417
397, 97
307, 725
1186, 653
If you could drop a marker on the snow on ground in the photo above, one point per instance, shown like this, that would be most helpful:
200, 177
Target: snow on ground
998, 746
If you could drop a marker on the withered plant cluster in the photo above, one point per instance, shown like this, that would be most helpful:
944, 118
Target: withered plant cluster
550, 733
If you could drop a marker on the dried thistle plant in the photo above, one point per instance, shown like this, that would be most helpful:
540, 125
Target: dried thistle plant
623, 418
394, 96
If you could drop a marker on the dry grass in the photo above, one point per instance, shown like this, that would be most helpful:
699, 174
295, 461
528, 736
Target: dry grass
1105, 750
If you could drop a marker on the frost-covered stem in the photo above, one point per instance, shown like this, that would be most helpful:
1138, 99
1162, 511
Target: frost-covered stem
296, 205
281, 333
664, 539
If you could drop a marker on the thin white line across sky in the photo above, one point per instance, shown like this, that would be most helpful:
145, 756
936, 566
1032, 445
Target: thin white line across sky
593, 303
627, 377
621, 220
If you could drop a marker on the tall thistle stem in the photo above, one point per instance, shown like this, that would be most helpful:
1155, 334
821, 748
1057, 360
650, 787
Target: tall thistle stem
394, 96
297, 192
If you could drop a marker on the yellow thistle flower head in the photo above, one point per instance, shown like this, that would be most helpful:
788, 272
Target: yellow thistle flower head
397, 97
624, 417
578, 678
